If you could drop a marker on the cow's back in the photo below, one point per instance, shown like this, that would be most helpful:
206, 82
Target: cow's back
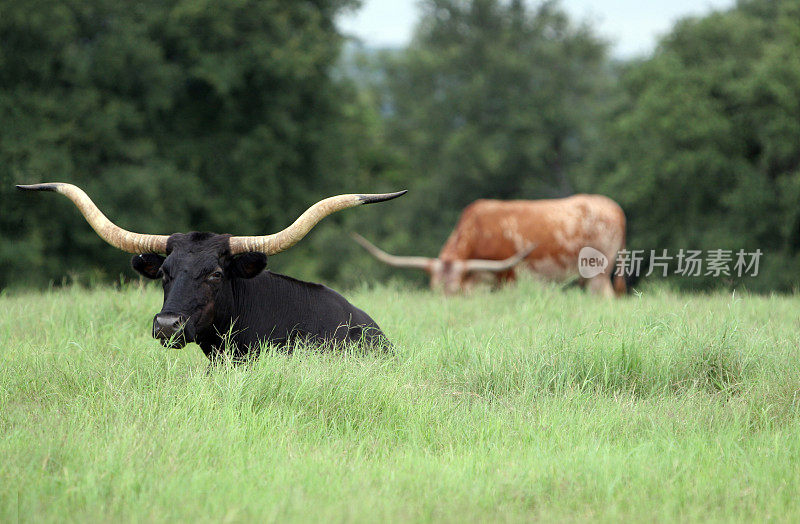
560, 228
277, 308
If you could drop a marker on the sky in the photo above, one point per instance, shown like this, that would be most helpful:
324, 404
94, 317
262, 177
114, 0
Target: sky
632, 26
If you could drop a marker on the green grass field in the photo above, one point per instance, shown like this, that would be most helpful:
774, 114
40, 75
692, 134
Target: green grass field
527, 403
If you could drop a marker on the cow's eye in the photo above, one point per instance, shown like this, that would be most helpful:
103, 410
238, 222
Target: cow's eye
216, 275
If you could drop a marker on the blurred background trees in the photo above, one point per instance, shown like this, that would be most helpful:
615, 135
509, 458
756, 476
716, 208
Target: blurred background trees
234, 115
215, 115
491, 100
702, 149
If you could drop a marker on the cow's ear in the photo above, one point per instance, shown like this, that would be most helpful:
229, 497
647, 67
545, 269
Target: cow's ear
248, 265
147, 264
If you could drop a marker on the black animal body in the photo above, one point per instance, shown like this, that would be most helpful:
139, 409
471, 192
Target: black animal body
210, 294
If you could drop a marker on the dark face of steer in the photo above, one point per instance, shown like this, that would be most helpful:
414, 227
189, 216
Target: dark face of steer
197, 276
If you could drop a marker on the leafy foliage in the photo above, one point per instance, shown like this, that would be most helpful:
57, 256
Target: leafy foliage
489, 101
703, 150
233, 116
173, 116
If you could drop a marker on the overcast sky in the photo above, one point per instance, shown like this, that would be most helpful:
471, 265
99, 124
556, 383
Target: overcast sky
632, 26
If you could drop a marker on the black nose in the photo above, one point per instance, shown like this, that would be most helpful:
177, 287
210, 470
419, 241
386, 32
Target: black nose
166, 326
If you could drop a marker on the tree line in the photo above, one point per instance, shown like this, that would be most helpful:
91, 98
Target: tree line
233, 116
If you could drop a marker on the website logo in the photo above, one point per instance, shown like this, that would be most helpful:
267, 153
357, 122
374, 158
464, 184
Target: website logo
591, 262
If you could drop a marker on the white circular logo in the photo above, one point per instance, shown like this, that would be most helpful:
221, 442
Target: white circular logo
591, 262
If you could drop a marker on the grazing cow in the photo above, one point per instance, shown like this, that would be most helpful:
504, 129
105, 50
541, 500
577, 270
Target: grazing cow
490, 232
216, 284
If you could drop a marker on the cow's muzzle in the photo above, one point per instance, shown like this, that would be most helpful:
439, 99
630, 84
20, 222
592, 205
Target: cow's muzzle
168, 329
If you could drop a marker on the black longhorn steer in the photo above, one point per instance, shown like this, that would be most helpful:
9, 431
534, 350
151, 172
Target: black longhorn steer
209, 293
216, 284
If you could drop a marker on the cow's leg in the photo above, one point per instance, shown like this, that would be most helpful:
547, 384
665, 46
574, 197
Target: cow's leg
601, 285
504, 277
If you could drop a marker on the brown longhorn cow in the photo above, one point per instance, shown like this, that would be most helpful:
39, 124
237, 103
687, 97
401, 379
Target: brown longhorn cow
494, 235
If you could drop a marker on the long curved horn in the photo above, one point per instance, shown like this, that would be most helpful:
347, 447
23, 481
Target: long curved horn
283, 240
496, 266
108, 231
393, 260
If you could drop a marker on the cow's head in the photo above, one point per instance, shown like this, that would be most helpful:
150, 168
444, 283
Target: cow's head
199, 269
198, 276
448, 275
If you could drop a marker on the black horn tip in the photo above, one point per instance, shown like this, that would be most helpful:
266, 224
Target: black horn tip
371, 199
38, 187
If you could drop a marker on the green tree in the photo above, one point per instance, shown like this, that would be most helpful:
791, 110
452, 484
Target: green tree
703, 150
213, 115
491, 99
